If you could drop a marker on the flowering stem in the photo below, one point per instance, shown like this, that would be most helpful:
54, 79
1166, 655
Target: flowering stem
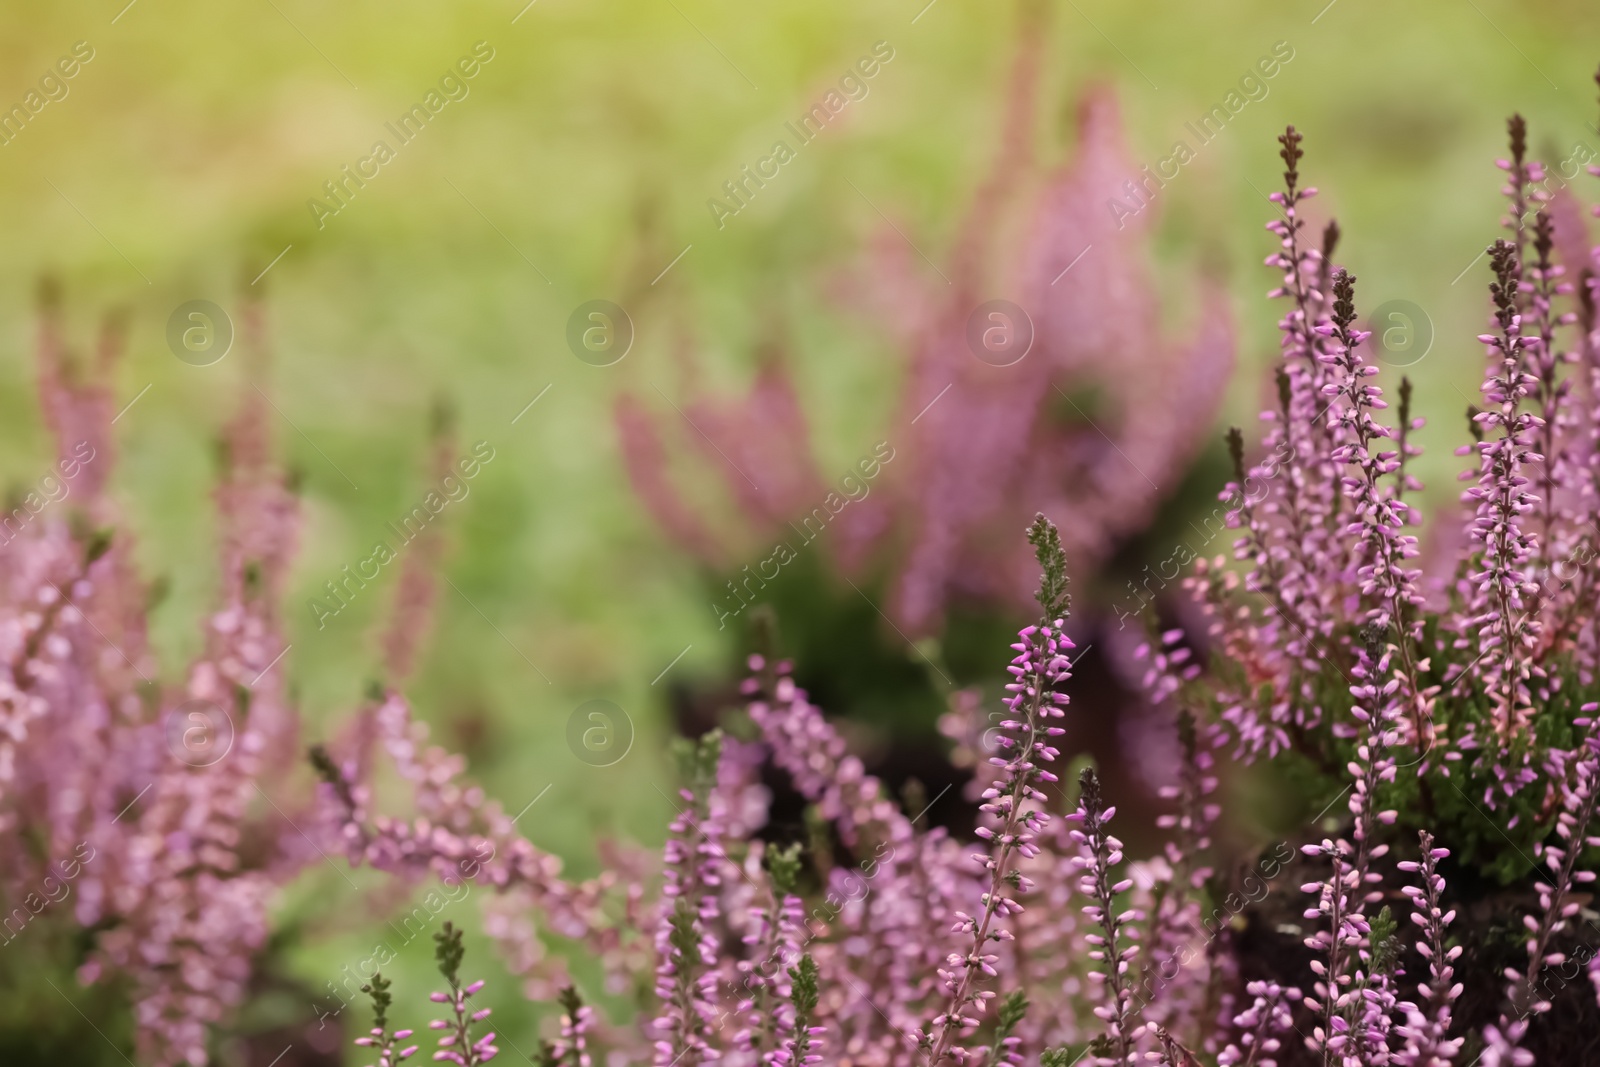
1040, 652
1102, 853
457, 1046
1385, 576
796, 1051
1581, 794
1430, 1022
1500, 491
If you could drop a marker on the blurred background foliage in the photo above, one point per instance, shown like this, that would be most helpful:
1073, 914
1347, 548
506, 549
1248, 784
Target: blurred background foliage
577, 168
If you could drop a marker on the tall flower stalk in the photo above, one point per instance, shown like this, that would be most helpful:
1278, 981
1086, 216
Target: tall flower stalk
386, 1041
1113, 947
1579, 776
1302, 434
1342, 933
577, 1020
800, 1045
459, 1045
1014, 806
686, 935
1502, 585
1427, 1024
1379, 518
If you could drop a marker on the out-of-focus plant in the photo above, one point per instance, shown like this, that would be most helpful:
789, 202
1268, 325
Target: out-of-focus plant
1094, 423
157, 792
157, 822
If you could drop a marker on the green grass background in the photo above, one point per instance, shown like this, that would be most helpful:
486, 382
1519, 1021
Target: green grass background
190, 144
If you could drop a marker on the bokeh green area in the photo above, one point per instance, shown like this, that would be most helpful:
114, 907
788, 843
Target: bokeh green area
577, 168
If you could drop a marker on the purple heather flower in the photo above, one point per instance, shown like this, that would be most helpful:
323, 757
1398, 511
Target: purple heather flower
1578, 776
1327, 602
1342, 932
1115, 946
687, 930
1262, 1026
1016, 818
1501, 624
1427, 1024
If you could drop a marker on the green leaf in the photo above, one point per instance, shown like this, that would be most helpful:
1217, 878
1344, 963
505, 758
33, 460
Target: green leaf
448, 951
783, 864
378, 989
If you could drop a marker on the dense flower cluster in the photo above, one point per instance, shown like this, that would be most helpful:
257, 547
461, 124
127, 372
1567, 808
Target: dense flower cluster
1330, 654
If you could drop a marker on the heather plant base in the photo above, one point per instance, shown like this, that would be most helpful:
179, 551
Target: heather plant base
1268, 942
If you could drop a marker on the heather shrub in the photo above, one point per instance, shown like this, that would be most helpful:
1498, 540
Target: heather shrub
1029, 370
1035, 409
1441, 715
148, 827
